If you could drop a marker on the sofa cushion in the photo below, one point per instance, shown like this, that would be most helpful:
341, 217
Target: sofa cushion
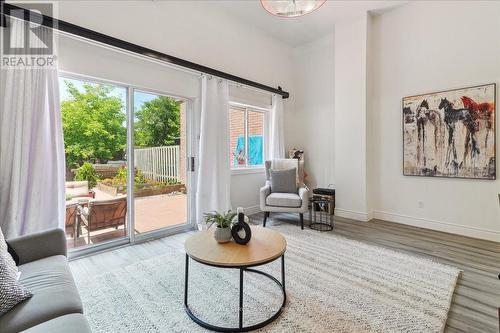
284, 181
54, 294
284, 200
74, 323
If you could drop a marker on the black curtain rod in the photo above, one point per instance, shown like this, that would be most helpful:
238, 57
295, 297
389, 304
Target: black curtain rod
50, 22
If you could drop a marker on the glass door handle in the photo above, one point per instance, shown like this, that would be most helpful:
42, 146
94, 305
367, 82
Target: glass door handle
191, 163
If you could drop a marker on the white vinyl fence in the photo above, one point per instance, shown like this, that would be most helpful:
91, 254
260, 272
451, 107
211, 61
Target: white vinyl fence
158, 163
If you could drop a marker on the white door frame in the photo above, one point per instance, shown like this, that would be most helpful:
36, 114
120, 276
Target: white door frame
192, 144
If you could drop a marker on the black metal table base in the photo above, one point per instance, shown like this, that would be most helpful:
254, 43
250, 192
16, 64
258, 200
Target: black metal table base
321, 226
240, 327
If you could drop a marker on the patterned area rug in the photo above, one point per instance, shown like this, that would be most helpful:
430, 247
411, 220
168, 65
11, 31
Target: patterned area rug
333, 285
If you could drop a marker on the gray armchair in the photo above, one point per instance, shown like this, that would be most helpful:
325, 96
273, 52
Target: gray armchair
284, 202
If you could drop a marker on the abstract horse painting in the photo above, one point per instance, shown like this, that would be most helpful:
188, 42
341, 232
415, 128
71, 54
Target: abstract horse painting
450, 133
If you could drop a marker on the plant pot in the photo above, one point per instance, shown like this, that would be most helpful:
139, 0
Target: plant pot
222, 235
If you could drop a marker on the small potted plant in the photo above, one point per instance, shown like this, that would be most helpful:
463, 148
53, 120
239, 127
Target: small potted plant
223, 222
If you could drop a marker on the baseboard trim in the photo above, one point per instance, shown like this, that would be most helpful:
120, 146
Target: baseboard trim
353, 215
438, 225
252, 210
420, 222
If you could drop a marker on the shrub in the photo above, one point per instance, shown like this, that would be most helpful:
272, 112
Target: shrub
139, 177
121, 175
87, 172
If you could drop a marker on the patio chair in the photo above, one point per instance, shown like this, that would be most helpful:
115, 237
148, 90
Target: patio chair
104, 214
71, 223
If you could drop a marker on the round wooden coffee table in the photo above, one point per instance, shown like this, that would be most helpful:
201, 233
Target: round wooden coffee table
265, 246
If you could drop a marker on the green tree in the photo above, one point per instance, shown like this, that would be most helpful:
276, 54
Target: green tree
157, 122
93, 124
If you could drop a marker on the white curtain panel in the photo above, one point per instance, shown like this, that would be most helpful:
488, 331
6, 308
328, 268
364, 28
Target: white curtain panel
214, 178
277, 142
32, 163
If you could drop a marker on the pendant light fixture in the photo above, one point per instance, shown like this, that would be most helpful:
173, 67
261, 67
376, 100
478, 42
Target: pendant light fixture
291, 8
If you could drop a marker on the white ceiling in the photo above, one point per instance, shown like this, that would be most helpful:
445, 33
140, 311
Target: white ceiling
300, 30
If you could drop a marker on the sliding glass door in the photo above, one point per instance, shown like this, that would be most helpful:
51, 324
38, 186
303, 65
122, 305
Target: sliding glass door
161, 184
94, 115
127, 176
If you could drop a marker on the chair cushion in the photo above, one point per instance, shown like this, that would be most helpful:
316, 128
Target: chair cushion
77, 192
77, 189
280, 164
284, 200
54, 294
284, 181
74, 323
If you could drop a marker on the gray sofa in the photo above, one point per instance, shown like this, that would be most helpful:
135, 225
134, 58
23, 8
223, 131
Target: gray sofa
55, 305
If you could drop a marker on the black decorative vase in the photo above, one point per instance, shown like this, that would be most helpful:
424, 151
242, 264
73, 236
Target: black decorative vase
237, 227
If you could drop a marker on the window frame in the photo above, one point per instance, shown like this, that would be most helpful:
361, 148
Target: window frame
246, 108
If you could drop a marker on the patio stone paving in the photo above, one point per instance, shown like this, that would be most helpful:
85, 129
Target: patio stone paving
151, 213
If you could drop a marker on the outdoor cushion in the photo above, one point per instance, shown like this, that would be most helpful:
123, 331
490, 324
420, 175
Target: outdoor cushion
54, 294
74, 323
284, 200
77, 189
284, 181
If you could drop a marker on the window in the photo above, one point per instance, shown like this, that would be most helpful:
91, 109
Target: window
246, 136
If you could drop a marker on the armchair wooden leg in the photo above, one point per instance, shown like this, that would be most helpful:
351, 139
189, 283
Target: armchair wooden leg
301, 221
266, 215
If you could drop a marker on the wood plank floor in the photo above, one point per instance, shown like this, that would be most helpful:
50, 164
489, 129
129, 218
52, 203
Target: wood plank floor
477, 296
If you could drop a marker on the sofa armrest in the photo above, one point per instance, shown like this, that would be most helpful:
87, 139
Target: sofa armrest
264, 193
304, 197
39, 245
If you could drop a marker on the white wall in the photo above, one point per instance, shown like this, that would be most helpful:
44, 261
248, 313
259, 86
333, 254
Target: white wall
371, 115
415, 48
313, 68
424, 47
372, 64
190, 30
350, 118
81, 57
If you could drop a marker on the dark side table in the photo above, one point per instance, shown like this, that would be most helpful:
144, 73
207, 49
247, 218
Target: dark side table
321, 212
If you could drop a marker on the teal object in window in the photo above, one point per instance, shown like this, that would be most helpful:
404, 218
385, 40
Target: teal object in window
255, 150
239, 153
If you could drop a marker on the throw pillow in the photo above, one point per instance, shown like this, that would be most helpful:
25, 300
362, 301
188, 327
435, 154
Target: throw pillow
4, 249
11, 291
284, 181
